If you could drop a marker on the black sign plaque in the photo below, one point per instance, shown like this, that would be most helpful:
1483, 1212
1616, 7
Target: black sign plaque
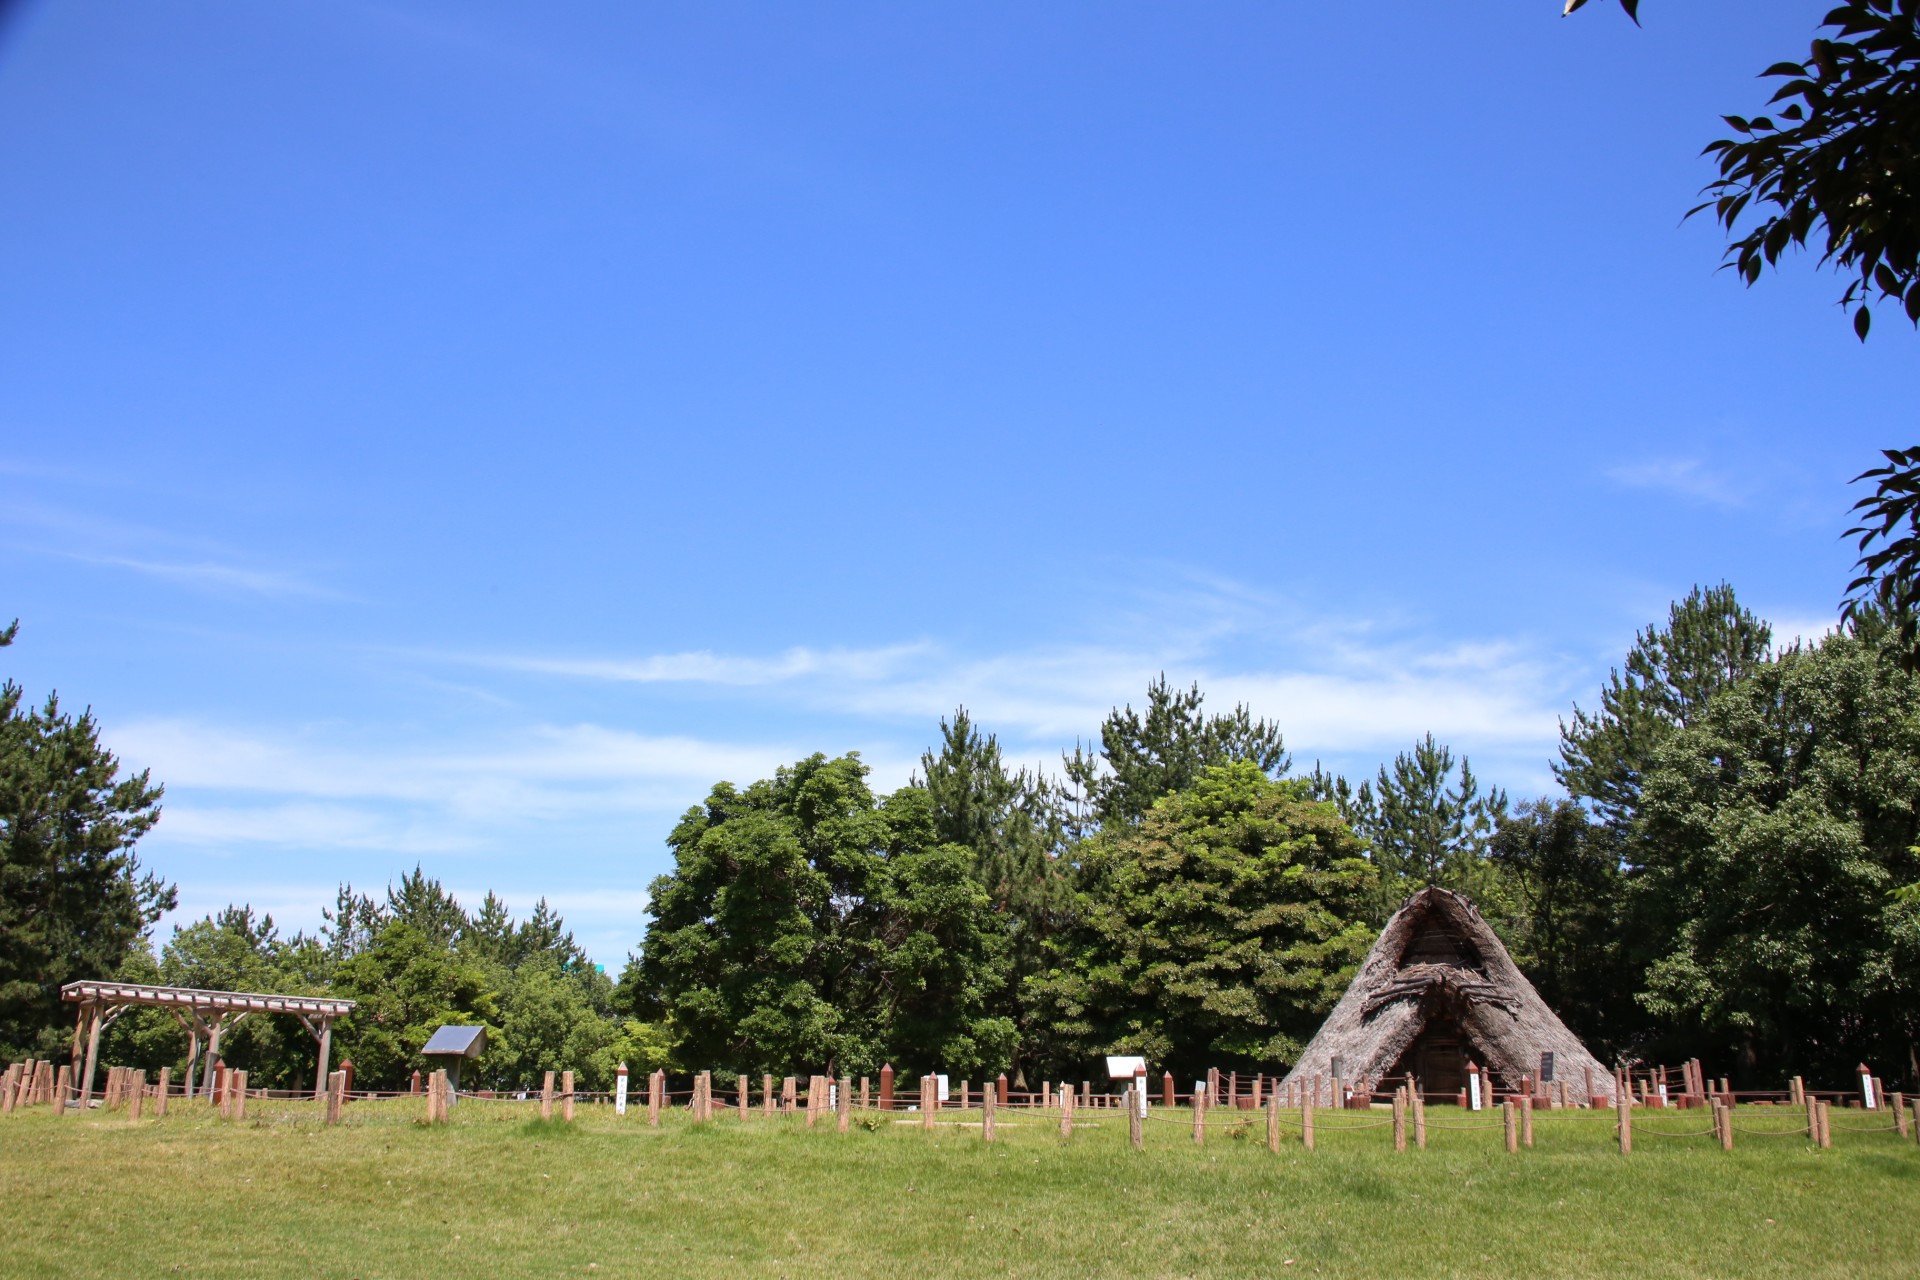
1546, 1068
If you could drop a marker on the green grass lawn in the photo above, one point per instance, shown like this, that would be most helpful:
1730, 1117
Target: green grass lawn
496, 1193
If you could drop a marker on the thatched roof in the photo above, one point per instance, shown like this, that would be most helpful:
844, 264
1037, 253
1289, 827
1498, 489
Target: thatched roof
1438, 969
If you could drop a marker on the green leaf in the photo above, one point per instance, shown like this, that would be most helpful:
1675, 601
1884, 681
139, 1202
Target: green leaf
1862, 321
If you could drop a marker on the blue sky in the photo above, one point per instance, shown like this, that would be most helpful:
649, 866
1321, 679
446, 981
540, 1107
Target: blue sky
461, 433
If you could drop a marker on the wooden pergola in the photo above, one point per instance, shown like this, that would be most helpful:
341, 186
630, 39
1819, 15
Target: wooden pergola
204, 1014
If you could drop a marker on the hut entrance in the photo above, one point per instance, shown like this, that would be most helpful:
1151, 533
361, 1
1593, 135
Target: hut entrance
1438, 1057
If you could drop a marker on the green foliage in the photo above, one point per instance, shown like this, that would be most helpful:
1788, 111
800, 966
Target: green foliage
806, 927
73, 900
1776, 839
1709, 643
1427, 825
1215, 932
1841, 159
1145, 756
1012, 824
1888, 583
1559, 914
408, 984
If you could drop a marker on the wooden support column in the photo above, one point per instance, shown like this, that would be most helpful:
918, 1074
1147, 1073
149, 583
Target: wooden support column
93, 1055
325, 1037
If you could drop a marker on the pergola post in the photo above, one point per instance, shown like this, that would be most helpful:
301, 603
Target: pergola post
93, 1053
326, 1051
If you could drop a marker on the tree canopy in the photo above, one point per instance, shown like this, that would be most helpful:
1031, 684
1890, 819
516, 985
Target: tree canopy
73, 899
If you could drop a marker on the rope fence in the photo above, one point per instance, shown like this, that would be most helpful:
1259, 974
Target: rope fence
1289, 1109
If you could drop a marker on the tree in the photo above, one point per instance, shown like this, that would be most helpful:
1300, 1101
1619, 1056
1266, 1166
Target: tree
74, 902
1709, 643
1217, 931
805, 926
1013, 825
1776, 847
1425, 825
1562, 922
408, 984
1144, 757
427, 906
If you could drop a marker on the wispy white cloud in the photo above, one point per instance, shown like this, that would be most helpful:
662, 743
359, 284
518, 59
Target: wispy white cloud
1688, 477
706, 667
212, 576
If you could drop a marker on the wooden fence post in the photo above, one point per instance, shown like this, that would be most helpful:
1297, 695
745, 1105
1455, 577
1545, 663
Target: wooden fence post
1526, 1121
989, 1106
160, 1089
1066, 1110
1826, 1125
929, 1101
1306, 1121
1199, 1108
766, 1095
845, 1101
240, 1097
789, 1091
1273, 1120
139, 1095
865, 1096
566, 1096
746, 1102
546, 1096
1399, 1119
335, 1083
1419, 1119
886, 1087
1813, 1120
656, 1089
1166, 1089
1507, 1118
1900, 1114
65, 1082
1623, 1106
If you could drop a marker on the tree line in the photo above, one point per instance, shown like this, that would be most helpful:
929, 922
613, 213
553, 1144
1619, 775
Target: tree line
1731, 874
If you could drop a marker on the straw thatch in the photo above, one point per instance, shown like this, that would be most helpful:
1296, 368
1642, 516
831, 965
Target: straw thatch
1439, 990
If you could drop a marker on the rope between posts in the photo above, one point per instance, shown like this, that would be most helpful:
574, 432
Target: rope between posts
1668, 1133
1771, 1133
1871, 1128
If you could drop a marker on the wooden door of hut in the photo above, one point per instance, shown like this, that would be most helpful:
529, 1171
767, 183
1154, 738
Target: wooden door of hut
1438, 1058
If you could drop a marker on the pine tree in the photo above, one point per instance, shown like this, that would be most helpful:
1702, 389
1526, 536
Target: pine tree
1145, 756
1709, 643
73, 900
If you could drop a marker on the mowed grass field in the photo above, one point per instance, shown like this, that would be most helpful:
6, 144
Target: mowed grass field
497, 1193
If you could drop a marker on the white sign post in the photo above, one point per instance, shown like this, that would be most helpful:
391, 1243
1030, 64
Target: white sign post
940, 1083
1473, 1089
620, 1092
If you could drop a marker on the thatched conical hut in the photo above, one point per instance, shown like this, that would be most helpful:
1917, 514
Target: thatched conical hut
1438, 991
